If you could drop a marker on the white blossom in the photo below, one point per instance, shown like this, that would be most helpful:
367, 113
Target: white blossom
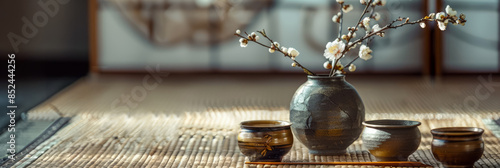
383, 2
284, 49
238, 31
376, 16
362, 2
442, 25
422, 24
432, 15
293, 52
276, 44
243, 42
294, 64
352, 67
364, 52
327, 65
366, 23
376, 28
334, 49
347, 8
336, 19
340, 1
450, 11
440, 16
253, 36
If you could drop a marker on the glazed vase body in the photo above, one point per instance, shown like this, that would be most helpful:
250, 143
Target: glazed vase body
327, 114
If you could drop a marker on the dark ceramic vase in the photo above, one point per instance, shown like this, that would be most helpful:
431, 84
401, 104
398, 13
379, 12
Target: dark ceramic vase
265, 140
391, 140
457, 146
327, 113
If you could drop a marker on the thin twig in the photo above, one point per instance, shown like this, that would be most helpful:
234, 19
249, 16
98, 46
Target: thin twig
263, 33
341, 20
389, 26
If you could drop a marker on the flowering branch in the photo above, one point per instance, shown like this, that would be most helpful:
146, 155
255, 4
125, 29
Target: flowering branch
338, 48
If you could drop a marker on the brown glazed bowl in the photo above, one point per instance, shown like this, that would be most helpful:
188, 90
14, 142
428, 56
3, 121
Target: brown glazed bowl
391, 140
457, 146
265, 140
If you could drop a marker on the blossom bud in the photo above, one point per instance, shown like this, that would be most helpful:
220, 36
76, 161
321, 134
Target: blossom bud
327, 65
344, 37
352, 67
294, 64
462, 16
271, 50
238, 31
376, 16
422, 24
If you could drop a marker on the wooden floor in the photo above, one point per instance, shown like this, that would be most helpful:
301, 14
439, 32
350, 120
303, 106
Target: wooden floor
192, 120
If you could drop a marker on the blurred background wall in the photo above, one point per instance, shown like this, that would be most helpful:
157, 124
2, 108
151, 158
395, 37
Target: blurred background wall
196, 36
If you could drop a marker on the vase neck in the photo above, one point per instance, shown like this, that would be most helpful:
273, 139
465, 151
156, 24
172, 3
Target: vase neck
325, 78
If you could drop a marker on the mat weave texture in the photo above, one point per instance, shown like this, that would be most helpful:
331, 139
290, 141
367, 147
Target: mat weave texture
187, 122
200, 139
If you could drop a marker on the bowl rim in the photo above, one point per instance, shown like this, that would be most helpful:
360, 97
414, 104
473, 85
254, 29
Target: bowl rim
279, 123
384, 123
457, 131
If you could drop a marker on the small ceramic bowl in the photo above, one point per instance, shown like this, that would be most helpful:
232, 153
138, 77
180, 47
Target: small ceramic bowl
265, 140
391, 140
457, 146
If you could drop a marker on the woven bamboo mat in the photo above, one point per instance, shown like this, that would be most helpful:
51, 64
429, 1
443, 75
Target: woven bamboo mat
187, 122
205, 139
